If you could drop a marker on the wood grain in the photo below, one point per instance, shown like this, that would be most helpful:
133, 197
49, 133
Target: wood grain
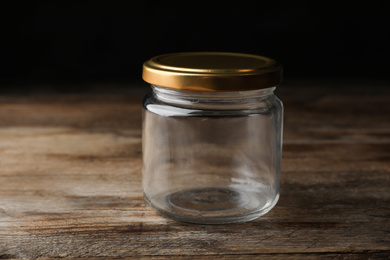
70, 180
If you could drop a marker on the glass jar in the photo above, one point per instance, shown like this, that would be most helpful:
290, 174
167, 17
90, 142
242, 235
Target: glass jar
212, 136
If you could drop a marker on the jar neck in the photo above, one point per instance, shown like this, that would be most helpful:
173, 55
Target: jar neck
195, 99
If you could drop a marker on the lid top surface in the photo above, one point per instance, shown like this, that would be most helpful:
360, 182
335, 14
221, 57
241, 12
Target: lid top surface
210, 62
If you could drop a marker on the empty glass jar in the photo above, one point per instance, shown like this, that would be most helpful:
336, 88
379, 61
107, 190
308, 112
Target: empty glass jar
212, 136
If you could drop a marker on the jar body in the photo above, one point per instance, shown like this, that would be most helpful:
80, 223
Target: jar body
212, 157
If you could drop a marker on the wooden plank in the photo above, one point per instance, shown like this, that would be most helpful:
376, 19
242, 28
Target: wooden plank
333, 256
70, 182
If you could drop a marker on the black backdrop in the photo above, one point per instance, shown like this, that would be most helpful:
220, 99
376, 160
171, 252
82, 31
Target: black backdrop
109, 40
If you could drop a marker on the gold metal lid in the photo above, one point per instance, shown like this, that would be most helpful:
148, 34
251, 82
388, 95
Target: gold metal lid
212, 71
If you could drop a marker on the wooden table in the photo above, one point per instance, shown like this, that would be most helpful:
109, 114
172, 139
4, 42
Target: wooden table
70, 179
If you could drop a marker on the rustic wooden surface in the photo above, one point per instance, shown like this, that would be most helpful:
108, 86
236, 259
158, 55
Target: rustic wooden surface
70, 180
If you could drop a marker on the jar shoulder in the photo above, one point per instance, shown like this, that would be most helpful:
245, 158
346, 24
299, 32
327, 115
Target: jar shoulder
152, 104
277, 103
261, 106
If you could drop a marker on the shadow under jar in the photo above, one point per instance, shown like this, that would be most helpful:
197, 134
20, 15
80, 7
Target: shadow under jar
212, 136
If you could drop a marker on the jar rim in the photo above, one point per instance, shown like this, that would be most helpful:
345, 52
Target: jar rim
212, 71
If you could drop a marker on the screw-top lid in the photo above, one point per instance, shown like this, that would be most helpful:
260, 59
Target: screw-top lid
212, 71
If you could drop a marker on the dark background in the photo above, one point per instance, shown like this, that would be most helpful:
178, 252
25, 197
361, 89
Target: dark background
96, 41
